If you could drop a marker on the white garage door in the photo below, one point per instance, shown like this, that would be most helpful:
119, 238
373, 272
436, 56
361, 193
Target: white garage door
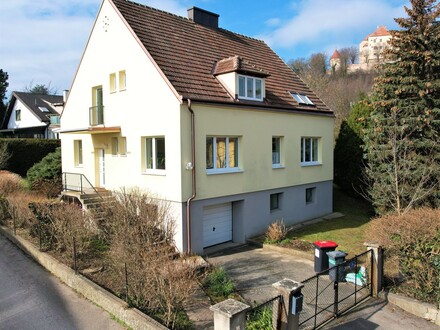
217, 224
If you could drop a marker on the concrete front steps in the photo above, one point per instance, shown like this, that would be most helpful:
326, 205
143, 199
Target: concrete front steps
91, 201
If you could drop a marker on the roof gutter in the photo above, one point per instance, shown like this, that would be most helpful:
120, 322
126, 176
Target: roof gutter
193, 178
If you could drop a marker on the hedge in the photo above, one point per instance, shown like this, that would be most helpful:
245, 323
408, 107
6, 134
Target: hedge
27, 152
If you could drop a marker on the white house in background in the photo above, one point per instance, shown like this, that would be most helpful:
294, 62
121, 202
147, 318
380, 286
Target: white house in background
31, 115
211, 121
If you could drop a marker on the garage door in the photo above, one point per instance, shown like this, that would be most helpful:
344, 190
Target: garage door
217, 224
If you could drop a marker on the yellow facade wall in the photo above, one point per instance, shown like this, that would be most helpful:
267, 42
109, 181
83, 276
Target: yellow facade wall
255, 129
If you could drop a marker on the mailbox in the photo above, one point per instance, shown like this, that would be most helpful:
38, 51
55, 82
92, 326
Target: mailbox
296, 303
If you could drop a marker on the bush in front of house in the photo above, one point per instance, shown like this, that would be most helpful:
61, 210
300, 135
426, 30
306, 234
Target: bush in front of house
276, 232
24, 153
45, 176
412, 246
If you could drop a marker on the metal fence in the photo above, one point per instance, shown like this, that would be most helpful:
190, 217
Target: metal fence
335, 290
266, 316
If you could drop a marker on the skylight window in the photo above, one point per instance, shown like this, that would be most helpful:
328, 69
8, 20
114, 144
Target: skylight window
43, 109
301, 99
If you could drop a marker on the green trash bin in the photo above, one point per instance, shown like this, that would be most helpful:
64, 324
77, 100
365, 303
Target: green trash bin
335, 261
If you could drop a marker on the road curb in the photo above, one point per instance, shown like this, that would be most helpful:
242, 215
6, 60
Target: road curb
90, 290
424, 310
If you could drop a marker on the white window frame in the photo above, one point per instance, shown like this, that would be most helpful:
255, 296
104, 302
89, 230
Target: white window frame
152, 167
115, 146
18, 115
253, 80
276, 164
227, 168
301, 99
314, 154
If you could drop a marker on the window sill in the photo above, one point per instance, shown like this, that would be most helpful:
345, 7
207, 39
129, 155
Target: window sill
113, 91
310, 164
276, 166
154, 172
223, 171
249, 99
122, 89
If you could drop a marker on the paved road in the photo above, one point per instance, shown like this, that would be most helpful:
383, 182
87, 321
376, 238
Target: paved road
32, 298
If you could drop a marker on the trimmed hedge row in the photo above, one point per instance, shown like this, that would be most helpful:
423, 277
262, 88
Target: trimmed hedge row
27, 152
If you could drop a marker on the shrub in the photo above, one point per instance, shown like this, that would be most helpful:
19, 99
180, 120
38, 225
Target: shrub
141, 232
412, 243
47, 169
260, 319
60, 223
9, 183
18, 208
276, 232
218, 285
24, 153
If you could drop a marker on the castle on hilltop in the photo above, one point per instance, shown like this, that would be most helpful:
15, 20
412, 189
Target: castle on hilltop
371, 51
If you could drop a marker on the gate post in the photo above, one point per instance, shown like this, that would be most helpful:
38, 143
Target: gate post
230, 315
291, 304
376, 267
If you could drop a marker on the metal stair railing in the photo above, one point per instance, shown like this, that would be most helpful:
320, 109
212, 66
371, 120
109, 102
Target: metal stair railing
78, 182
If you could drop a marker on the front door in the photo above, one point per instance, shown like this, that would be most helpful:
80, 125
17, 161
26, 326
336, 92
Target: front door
101, 168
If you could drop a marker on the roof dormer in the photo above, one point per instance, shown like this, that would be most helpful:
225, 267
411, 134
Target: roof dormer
241, 78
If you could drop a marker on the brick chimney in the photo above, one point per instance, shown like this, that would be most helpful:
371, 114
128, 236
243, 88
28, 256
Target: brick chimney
203, 17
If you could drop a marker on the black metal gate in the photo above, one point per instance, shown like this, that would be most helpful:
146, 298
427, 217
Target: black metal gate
330, 293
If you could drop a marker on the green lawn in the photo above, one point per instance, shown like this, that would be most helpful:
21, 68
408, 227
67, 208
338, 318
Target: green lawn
348, 231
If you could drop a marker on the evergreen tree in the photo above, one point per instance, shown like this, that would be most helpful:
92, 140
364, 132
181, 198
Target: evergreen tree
402, 142
3, 87
349, 163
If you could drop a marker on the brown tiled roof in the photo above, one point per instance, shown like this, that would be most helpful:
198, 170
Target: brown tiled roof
379, 32
237, 64
188, 53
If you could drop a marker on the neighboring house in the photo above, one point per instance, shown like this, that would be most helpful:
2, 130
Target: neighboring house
211, 121
31, 115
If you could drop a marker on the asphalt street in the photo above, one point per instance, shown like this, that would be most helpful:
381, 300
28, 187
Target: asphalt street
32, 298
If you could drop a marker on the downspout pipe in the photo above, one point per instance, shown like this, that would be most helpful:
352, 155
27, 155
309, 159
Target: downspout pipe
193, 178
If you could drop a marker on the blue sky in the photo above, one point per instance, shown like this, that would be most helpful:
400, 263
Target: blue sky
41, 41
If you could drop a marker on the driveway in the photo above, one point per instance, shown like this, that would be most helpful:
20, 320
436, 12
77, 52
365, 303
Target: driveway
254, 270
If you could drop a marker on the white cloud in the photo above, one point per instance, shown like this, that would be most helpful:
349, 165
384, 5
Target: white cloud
318, 19
273, 22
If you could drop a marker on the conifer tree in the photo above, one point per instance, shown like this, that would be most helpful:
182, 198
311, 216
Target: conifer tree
402, 142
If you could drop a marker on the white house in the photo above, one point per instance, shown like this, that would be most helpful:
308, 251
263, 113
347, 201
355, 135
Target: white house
30, 115
211, 121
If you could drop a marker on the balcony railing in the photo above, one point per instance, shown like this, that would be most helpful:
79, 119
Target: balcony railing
96, 115
55, 120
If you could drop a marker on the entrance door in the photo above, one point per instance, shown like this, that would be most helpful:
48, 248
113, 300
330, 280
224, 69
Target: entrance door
101, 168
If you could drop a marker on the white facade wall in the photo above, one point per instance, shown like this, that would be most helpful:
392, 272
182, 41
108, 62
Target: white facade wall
147, 107
28, 118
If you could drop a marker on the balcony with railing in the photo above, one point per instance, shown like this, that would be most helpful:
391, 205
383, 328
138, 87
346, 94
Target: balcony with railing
96, 115
54, 119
